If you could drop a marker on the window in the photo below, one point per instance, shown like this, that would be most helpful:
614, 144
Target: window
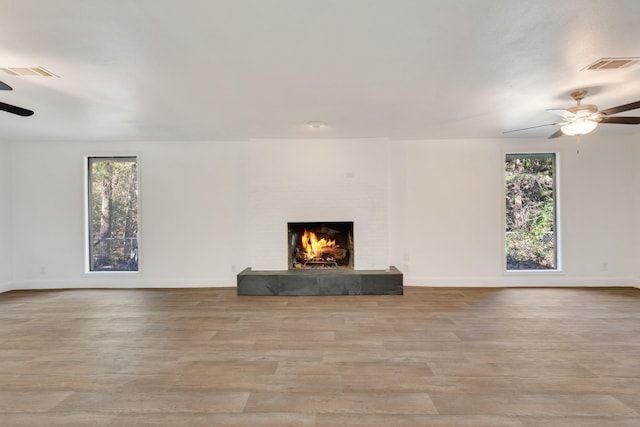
112, 214
531, 226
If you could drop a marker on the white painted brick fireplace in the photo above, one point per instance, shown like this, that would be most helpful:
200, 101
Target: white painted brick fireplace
304, 181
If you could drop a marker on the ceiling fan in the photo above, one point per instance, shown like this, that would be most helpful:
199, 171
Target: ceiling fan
582, 119
12, 108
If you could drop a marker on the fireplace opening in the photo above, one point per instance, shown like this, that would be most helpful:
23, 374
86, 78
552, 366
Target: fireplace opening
320, 245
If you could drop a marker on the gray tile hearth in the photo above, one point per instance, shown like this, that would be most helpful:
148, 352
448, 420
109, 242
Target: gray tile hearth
321, 282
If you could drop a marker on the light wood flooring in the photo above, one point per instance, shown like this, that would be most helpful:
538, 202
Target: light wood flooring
433, 357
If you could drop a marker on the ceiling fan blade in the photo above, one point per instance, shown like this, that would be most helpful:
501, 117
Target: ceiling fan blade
532, 127
621, 108
4, 86
621, 120
556, 134
15, 110
562, 113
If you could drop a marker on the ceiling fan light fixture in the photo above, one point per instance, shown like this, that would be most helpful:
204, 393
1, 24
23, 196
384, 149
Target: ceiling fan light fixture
584, 110
580, 126
583, 119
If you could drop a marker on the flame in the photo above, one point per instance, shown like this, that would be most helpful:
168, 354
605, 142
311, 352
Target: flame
312, 246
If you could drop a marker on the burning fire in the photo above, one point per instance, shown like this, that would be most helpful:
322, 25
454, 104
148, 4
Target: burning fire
312, 246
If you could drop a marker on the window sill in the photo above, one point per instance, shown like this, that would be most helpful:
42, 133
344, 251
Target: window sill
112, 273
534, 272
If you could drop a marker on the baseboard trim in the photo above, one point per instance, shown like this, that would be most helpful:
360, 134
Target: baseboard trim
444, 282
521, 281
123, 283
5, 287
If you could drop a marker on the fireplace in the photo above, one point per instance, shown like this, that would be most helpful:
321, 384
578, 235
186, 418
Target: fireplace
320, 262
320, 245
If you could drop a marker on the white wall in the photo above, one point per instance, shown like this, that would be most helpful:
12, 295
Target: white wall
452, 225
636, 253
432, 208
451, 217
598, 210
5, 217
189, 213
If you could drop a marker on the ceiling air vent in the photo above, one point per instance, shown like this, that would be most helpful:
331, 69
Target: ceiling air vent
611, 63
28, 71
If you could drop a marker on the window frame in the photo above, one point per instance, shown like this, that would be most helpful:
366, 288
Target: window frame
87, 216
557, 214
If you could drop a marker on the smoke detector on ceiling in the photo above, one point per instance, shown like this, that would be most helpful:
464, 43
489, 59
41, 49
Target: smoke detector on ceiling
612, 63
316, 124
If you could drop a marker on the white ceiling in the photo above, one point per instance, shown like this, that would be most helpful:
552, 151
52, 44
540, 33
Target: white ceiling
218, 70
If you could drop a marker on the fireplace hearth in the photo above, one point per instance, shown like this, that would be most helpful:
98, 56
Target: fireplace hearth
320, 262
320, 282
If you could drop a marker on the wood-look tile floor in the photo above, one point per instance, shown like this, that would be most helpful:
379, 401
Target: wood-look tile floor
433, 357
